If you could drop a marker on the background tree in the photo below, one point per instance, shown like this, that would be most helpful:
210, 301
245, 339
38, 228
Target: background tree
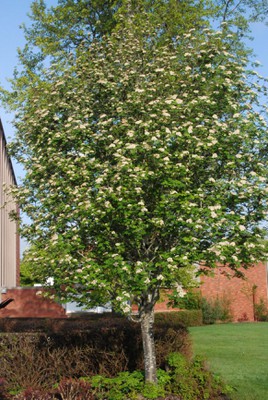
143, 160
57, 30
26, 273
61, 28
241, 14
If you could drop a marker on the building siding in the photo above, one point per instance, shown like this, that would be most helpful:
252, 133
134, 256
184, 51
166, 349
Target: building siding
9, 239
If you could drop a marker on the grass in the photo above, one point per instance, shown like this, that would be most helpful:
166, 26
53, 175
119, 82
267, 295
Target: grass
238, 353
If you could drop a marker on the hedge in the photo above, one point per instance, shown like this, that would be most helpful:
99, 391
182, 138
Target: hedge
177, 318
105, 346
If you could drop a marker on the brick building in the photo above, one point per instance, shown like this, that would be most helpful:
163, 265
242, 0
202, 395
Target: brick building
241, 294
9, 238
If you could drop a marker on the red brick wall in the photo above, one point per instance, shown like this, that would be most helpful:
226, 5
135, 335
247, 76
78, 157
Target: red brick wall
240, 292
29, 303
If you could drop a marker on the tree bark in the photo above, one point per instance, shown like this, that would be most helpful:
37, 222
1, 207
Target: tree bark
147, 324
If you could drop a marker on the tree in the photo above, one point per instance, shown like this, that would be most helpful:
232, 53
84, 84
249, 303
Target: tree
57, 30
242, 13
26, 272
143, 160
61, 28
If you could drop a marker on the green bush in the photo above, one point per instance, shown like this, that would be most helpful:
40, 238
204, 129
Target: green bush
192, 300
261, 311
193, 381
188, 380
214, 310
126, 384
177, 318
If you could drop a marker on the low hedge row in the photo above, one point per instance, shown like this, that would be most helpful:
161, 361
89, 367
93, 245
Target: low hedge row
85, 321
39, 359
177, 318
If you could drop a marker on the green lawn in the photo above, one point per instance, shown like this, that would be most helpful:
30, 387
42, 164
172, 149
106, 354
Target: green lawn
239, 353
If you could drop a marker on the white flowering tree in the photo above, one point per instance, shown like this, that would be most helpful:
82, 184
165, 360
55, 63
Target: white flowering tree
143, 160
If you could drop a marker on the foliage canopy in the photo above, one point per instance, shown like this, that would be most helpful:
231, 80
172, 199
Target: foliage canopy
145, 156
56, 31
142, 161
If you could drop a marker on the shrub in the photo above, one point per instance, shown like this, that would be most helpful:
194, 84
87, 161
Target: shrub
191, 380
192, 300
217, 309
74, 389
261, 311
34, 394
4, 395
129, 386
183, 380
22, 361
117, 388
177, 318
108, 348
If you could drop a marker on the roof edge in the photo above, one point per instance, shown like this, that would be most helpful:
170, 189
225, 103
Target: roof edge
2, 133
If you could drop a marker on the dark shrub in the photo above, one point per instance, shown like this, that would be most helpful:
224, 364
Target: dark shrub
74, 389
4, 395
107, 347
34, 394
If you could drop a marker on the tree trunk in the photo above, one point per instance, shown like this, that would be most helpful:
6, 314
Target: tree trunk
147, 323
